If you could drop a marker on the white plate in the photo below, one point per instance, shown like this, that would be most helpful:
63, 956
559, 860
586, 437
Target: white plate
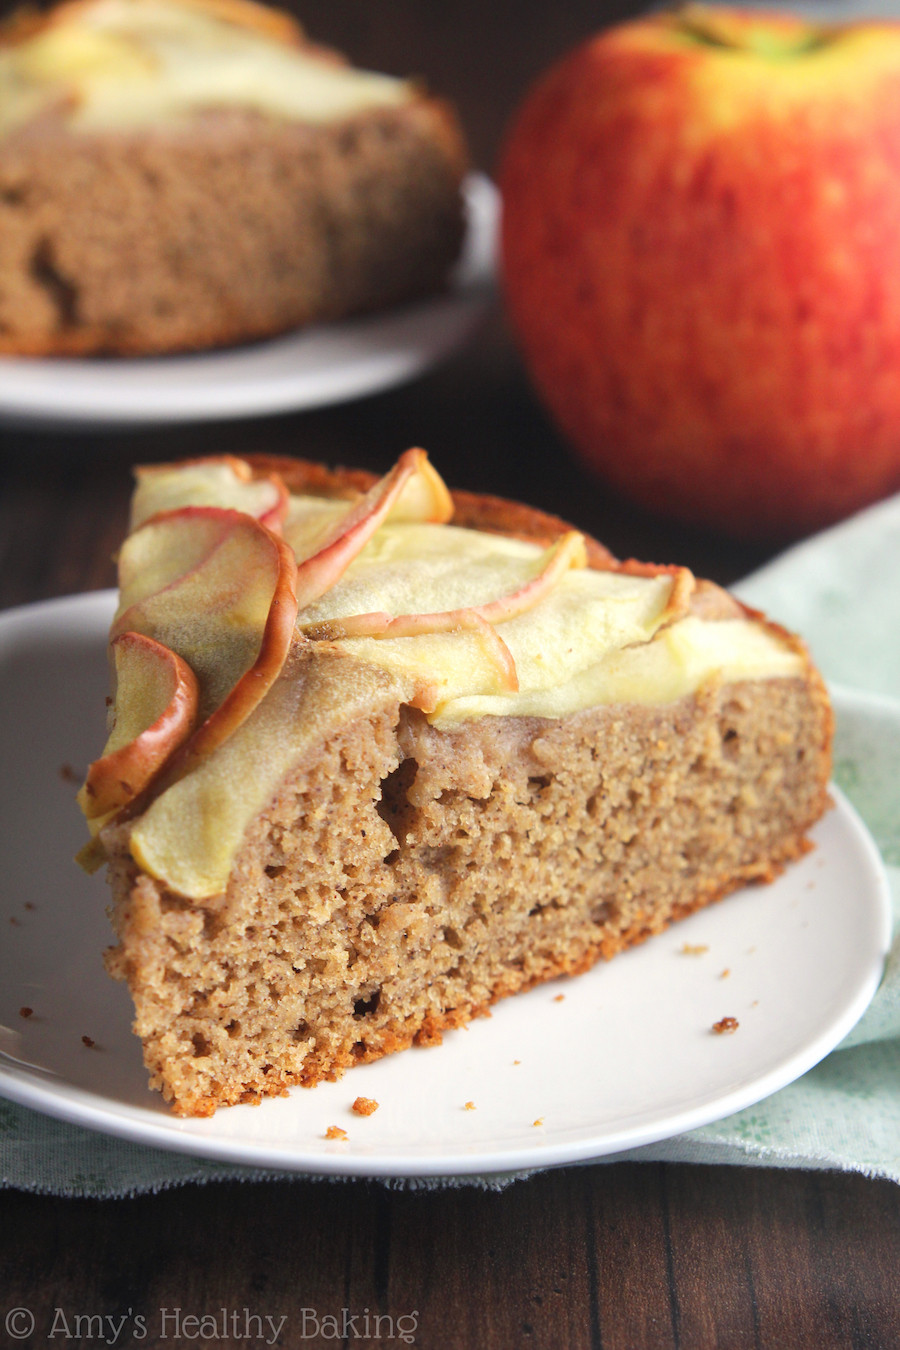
626, 1057
306, 369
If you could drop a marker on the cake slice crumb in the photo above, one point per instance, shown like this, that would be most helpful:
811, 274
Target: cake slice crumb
364, 1106
335, 1132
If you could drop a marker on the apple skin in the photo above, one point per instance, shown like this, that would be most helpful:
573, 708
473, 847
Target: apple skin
701, 252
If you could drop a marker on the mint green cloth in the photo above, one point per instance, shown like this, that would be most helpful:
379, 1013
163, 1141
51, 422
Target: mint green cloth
841, 589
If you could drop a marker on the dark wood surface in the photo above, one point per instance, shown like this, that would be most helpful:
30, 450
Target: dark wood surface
620, 1256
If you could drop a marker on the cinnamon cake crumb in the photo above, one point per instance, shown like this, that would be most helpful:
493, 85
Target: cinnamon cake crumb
26, 1012
726, 1026
693, 948
364, 1106
335, 1132
86, 1040
469, 1106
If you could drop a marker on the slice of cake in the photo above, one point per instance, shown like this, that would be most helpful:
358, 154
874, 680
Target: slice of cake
381, 754
178, 174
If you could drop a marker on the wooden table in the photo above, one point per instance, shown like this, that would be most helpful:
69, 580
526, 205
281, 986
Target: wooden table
622, 1256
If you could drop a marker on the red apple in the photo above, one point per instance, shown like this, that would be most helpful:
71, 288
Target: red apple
701, 246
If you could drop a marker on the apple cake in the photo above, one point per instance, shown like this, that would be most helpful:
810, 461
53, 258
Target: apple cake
180, 174
381, 754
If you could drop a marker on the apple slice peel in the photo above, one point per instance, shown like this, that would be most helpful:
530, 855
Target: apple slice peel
230, 613
349, 536
148, 676
568, 551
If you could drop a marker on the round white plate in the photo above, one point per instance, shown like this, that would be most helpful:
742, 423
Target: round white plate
306, 369
621, 1056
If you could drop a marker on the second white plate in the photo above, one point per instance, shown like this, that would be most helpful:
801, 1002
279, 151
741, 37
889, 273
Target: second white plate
306, 369
622, 1056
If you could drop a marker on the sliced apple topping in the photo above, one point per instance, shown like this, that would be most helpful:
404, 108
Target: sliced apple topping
568, 551
423, 495
218, 481
218, 588
156, 704
419, 625
412, 485
313, 522
684, 584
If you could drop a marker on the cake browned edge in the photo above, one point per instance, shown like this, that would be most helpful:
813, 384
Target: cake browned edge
399, 260
498, 515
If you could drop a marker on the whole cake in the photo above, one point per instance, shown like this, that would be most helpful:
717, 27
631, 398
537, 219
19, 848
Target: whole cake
178, 174
381, 754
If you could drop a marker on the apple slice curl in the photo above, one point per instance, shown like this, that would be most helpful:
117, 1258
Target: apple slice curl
568, 551
156, 703
378, 625
221, 480
424, 497
219, 589
684, 584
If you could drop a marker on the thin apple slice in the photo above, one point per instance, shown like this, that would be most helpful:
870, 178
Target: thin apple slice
156, 704
220, 480
313, 522
424, 495
377, 625
218, 588
684, 584
413, 479
568, 551
255, 683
